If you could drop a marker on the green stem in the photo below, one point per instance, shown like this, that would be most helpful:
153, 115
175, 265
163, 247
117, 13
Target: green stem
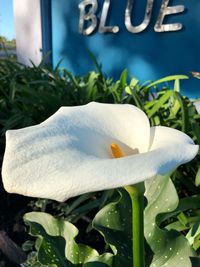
136, 194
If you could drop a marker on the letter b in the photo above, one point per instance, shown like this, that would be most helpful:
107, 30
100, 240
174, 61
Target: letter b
90, 16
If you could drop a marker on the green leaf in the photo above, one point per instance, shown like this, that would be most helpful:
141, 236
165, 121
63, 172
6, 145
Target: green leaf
177, 85
123, 78
56, 241
170, 247
185, 204
174, 109
79, 200
128, 90
197, 179
134, 82
159, 103
183, 219
196, 131
184, 111
193, 235
91, 95
114, 223
51, 249
167, 79
105, 260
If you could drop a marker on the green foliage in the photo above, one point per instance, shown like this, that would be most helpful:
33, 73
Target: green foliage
113, 221
56, 243
169, 246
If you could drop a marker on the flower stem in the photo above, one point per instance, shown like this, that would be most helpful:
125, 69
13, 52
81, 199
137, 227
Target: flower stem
136, 194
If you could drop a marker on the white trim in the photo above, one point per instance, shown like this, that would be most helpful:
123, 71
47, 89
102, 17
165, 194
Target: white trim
197, 105
28, 26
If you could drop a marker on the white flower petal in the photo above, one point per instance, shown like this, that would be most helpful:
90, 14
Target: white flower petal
69, 153
171, 148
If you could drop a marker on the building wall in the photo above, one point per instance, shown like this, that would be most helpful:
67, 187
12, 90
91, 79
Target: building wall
148, 55
28, 25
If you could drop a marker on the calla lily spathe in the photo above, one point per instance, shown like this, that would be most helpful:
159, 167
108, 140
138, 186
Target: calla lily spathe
69, 154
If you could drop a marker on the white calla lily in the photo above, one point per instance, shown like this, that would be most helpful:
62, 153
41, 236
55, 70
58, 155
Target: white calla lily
69, 153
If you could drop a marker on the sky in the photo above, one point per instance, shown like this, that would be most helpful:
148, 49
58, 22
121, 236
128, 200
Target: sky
7, 27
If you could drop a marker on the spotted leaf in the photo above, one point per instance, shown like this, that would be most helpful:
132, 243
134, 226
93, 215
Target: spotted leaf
56, 243
114, 223
170, 247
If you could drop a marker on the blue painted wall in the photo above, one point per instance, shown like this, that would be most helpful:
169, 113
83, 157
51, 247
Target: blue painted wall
46, 29
147, 55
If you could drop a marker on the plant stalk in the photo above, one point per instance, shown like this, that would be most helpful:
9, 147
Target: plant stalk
136, 194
